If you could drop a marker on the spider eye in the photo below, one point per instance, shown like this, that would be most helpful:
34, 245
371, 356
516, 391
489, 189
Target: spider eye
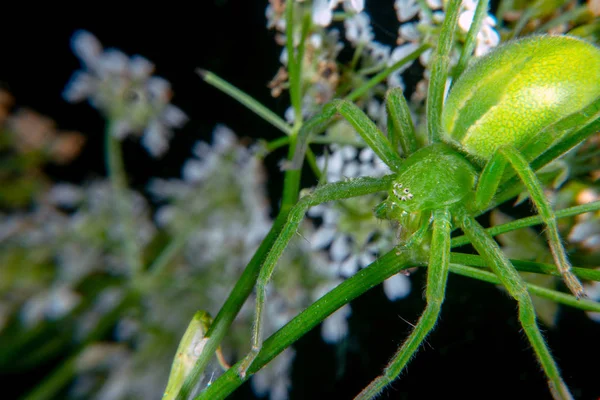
512, 93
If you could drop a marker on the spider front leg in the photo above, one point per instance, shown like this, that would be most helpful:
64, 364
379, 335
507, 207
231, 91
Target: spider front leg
325, 193
437, 276
488, 185
515, 285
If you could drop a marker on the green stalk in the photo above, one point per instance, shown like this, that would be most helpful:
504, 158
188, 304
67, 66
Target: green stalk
359, 91
124, 208
531, 221
246, 100
439, 72
243, 288
465, 56
553, 295
526, 266
383, 268
65, 372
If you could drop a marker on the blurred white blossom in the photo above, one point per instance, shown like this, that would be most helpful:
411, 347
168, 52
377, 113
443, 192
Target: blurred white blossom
123, 89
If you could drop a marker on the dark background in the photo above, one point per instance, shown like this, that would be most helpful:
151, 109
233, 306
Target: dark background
478, 349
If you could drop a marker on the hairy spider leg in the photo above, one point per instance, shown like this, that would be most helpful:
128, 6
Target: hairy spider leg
328, 192
488, 185
437, 277
516, 287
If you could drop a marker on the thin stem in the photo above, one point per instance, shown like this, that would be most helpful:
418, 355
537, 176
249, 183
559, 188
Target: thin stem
232, 306
401, 130
365, 279
65, 372
369, 132
245, 99
526, 266
293, 61
124, 208
553, 295
531, 221
439, 72
361, 90
470, 42
330, 192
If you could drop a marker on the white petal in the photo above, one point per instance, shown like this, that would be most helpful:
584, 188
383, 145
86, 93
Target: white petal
322, 237
194, 171
113, 61
409, 32
335, 327
351, 170
349, 152
349, 267
321, 13
159, 88
354, 5
87, 47
140, 67
65, 194
173, 116
406, 9
156, 139
366, 155
316, 211
465, 20
223, 138
81, 86
340, 248
396, 287
335, 164
330, 216
365, 259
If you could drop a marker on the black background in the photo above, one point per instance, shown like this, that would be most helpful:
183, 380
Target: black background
477, 350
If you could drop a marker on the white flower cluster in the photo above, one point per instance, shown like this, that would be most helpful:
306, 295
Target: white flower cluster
125, 91
350, 230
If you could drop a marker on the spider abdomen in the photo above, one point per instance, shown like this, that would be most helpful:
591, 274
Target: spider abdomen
432, 178
515, 91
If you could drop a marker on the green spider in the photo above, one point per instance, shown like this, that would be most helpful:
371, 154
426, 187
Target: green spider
523, 105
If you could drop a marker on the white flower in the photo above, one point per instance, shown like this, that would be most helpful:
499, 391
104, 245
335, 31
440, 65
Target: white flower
406, 9
335, 327
397, 286
123, 89
358, 29
488, 37
322, 10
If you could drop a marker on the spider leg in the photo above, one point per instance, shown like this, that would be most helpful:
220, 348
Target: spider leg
322, 194
366, 128
514, 284
437, 276
488, 185
401, 130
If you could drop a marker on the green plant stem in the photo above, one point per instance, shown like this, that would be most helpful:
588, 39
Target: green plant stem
232, 306
118, 179
553, 295
439, 72
64, 373
470, 42
361, 90
531, 221
383, 268
246, 100
526, 266
293, 63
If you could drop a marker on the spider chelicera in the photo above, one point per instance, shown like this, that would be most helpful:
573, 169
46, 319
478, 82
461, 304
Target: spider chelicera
523, 105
